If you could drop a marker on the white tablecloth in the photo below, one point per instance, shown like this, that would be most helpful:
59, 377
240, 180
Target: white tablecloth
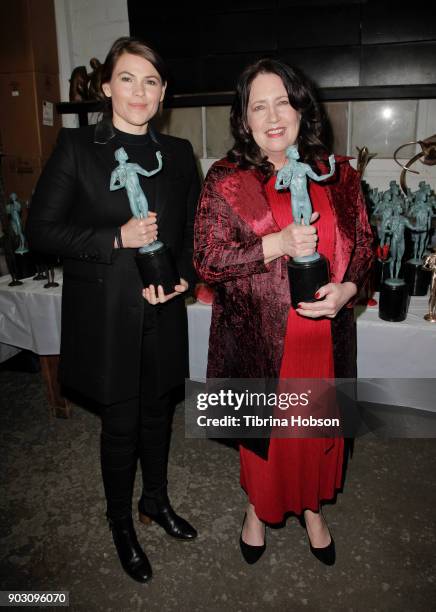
384, 350
7, 351
389, 351
30, 316
396, 350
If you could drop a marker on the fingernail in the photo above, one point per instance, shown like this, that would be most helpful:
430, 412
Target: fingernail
317, 294
299, 305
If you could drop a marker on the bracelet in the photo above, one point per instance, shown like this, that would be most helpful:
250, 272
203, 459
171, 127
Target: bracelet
118, 238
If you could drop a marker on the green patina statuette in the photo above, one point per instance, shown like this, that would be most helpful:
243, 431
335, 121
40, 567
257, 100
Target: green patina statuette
294, 175
14, 210
125, 175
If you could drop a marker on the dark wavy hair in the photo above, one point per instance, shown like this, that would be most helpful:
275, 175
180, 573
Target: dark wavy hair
135, 46
245, 151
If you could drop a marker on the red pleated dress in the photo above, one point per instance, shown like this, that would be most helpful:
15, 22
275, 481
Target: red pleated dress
299, 472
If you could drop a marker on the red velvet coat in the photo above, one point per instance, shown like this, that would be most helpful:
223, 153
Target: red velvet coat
252, 298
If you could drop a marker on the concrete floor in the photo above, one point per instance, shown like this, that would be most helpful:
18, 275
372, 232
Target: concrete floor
53, 533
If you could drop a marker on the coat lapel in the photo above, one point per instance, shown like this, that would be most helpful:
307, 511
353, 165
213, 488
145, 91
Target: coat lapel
245, 192
104, 145
343, 243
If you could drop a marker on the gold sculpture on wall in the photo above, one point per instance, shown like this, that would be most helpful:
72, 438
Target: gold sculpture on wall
363, 159
427, 157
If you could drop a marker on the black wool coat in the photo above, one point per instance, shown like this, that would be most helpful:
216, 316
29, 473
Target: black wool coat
73, 214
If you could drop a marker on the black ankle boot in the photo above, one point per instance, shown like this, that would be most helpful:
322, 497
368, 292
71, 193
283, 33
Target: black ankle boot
132, 557
165, 516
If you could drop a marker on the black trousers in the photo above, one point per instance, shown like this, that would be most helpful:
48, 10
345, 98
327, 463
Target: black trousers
137, 428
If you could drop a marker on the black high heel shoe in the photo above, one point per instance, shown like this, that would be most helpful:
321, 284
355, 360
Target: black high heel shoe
133, 559
326, 554
174, 525
251, 553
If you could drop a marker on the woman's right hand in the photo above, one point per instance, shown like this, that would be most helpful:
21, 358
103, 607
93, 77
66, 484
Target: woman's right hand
139, 232
298, 240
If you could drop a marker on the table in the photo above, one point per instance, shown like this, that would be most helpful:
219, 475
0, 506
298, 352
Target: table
30, 318
394, 352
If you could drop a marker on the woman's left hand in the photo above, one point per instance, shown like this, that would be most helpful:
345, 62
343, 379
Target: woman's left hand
336, 296
154, 297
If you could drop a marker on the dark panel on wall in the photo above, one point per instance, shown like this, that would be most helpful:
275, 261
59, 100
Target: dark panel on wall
176, 35
325, 26
313, 4
334, 67
186, 75
142, 14
222, 72
338, 43
398, 21
166, 35
243, 33
234, 6
408, 64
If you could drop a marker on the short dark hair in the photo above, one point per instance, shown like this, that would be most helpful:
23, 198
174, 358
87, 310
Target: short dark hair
245, 151
135, 46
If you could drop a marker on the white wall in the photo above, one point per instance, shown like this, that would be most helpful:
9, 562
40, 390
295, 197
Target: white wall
95, 24
85, 29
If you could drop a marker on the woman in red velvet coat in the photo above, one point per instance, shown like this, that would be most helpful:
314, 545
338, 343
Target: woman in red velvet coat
244, 235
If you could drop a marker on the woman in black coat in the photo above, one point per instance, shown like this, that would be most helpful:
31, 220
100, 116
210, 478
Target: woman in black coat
123, 345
